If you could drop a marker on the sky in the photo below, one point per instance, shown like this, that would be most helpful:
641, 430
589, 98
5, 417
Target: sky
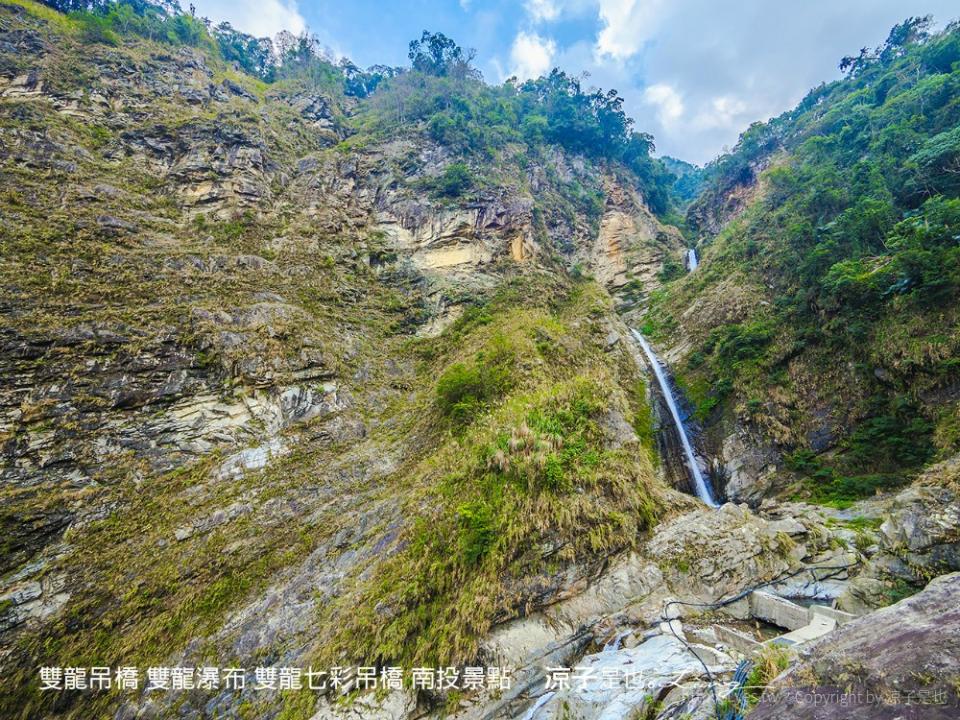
693, 73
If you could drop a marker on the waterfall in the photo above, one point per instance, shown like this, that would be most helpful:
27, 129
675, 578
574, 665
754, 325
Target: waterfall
699, 484
692, 261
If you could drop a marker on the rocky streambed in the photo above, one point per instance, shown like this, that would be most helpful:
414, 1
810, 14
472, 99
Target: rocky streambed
661, 632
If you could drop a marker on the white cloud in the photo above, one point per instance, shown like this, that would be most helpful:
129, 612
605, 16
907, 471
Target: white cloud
627, 25
531, 55
257, 17
723, 112
668, 102
542, 10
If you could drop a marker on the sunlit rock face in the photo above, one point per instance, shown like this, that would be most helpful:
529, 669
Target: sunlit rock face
274, 393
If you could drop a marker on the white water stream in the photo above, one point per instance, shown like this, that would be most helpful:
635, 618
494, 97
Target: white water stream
699, 483
692, 261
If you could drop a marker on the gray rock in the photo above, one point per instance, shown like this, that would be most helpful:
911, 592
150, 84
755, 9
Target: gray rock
619, 684
907, 650
920, 538
115, 225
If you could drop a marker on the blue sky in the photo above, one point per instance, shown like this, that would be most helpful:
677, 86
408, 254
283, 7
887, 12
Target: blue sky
694, 73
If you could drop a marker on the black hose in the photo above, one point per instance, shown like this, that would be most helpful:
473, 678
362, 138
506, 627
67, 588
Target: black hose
837, 569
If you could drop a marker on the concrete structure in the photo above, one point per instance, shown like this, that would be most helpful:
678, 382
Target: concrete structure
804, 623
737, 640
818, 626
778, 611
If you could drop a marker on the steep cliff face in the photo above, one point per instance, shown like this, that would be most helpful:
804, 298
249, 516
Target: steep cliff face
243, 352
292, 378
633, 248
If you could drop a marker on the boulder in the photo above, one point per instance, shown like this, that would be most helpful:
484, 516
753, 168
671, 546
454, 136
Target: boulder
919, 539
714, 554
924, 528
898, 662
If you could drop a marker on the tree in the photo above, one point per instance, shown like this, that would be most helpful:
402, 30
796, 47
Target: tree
293, 49
253, 55
455, 181
911, 31
436, 54
362, 83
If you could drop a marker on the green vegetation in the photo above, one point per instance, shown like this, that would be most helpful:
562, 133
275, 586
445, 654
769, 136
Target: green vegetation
862, 216
688, 183
771, 661
103, 21
446, 97
455, 181
879, 454
512, 497
441, 94
835, 293
899, 589
472, 469
643, 419
465, 390
106, 21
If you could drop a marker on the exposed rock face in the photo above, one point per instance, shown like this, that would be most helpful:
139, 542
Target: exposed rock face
918, 539
749, 466
714, 209
211, 418
632, 247
924, 525
698, 557
899, 662
646, 674
459, 239
208, 396
714, 554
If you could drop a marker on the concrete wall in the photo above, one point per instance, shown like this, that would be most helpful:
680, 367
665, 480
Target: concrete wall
738, 641
777, 611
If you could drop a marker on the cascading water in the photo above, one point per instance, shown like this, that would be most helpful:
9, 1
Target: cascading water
699, 483
692, 262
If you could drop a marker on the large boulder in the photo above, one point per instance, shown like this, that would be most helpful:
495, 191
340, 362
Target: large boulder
919, 539
924, 529
713, 554
900, 662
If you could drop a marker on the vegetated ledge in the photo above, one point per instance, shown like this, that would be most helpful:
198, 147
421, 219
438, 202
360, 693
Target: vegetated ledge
536, 473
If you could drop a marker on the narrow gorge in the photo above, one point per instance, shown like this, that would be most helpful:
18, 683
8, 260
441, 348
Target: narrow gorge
701, 487
396, 394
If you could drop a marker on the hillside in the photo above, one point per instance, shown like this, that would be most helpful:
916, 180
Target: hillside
309, 366
822, 325
255, 328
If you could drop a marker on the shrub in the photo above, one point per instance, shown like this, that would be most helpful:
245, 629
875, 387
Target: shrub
455, 180
742, 342
898, 437
671, 270
555, 445
464, 390
477, 531
461, 391
771, 661
96, 29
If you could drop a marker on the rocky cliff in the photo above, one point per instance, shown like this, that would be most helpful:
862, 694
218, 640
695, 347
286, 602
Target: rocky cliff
290, 379
224, 317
